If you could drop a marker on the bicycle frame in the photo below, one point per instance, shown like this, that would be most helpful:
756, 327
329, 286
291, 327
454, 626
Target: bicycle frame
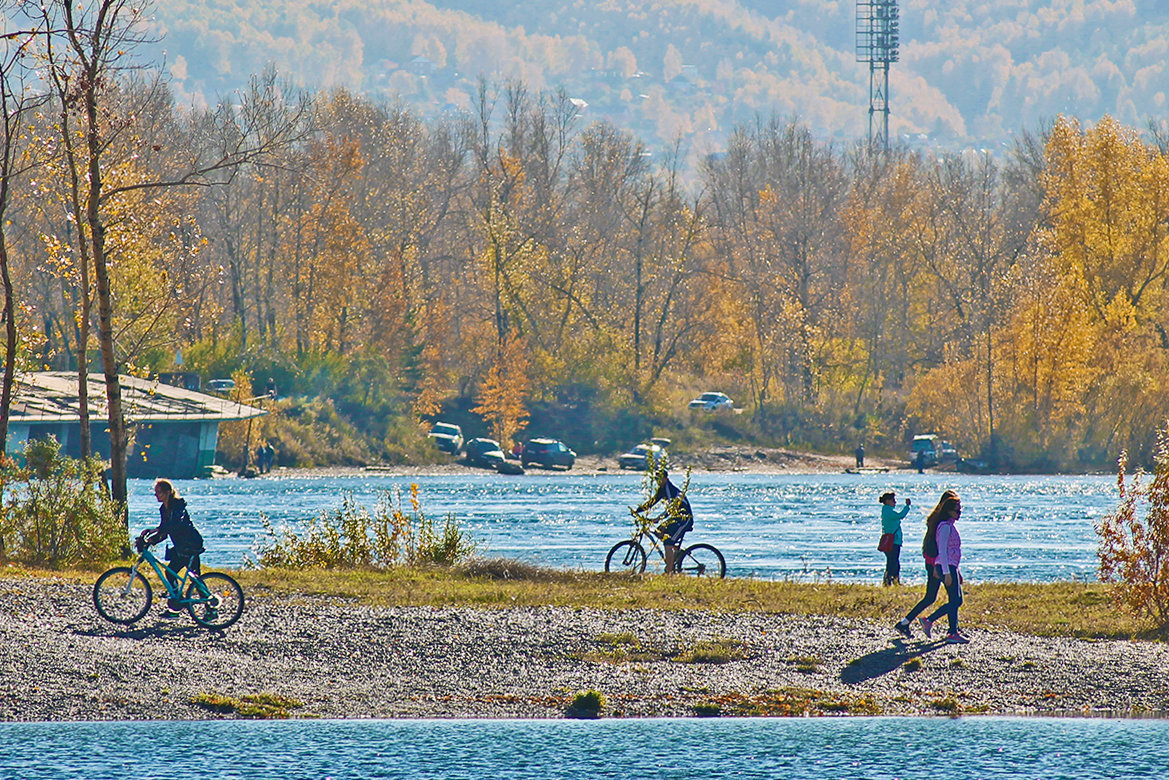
174, 592
646, 529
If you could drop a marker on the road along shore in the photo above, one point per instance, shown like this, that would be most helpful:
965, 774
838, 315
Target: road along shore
329, 657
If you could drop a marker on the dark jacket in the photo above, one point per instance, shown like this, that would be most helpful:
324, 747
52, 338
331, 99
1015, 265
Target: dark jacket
678, 504
176, 524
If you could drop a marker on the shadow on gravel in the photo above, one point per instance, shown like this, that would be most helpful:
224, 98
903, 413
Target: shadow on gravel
884, 661
150, 632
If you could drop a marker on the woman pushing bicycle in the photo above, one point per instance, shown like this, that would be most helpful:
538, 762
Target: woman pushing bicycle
186, 540
679, 516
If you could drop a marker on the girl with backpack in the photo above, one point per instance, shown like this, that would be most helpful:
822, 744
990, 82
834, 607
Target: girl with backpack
942, 550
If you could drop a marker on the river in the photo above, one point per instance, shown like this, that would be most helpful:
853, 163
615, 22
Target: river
769, 526
809, 749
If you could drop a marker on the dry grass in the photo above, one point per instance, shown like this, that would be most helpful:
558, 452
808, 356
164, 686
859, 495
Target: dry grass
1056, 609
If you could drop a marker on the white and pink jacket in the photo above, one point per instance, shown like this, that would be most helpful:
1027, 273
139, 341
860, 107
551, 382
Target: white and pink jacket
949, 545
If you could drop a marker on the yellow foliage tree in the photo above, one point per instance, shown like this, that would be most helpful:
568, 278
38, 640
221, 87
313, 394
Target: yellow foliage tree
503, 392
1108, 202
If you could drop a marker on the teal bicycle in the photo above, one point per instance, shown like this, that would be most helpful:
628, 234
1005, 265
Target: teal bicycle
123, 594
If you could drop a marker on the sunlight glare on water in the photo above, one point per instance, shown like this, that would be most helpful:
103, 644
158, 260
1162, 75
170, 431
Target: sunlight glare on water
803, 527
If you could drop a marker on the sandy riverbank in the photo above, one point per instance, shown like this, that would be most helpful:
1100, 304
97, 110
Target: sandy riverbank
60, 661
748, 460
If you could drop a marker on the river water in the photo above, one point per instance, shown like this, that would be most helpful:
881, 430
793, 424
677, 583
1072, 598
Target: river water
801, 527
809, 749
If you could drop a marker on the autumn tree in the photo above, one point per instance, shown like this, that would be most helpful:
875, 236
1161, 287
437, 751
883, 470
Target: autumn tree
17, 159
779, 199
97, 48
500, 400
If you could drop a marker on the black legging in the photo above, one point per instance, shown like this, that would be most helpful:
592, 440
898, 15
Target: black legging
893, 564
932, 584
176, 561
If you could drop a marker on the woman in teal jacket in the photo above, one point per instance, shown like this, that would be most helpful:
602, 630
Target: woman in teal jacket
891, 524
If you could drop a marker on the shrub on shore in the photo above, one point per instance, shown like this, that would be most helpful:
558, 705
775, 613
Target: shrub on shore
350, 537
56, 511
1134, 546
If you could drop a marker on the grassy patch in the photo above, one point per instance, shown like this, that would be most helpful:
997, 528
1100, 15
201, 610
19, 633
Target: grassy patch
804, 664
793, 702
1058, 609
586, 705
713, 651
263, 706
947, 704
912, 665
627, 648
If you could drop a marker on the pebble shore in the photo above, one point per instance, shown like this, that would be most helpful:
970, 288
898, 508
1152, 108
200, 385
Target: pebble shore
326, 657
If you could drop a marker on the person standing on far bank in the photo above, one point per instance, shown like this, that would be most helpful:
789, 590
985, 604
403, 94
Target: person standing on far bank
891, 519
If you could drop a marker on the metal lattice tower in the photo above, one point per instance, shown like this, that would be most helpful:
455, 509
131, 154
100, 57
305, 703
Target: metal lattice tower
877, 43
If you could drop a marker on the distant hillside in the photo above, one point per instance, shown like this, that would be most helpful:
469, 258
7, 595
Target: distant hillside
971, 71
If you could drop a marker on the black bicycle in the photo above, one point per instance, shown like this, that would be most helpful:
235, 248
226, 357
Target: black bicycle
630, 557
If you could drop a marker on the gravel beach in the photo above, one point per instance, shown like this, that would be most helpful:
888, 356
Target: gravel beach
330, 658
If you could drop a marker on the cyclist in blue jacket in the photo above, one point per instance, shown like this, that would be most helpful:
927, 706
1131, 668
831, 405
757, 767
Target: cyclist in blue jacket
186, 541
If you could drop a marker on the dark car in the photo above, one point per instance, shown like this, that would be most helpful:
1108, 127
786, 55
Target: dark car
448, 437
641, 456
548, 453
484, 453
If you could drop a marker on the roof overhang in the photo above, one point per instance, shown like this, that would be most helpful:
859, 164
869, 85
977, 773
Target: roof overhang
51, 396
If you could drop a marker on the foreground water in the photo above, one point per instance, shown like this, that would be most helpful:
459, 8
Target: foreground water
810, 749
1014, 528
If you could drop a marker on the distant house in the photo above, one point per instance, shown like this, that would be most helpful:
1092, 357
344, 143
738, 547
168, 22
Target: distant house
174, 430
423, 66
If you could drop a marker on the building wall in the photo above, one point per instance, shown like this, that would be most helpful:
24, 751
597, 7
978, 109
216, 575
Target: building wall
179, 450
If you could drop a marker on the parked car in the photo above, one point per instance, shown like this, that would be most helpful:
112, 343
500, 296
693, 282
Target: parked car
712, 402
641, 456
221, 385
548, 453
947, 453
484, 453
448, 437
924, 451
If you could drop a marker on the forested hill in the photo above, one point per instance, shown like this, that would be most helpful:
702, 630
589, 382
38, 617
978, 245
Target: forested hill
971, 71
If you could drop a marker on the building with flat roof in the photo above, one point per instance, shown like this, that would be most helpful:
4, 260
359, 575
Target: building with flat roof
173, 430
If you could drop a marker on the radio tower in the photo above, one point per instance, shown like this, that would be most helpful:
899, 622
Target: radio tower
877, 39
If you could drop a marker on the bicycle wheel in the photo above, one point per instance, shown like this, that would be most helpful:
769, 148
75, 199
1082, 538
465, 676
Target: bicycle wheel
122, 595
702, 560
627, 557
221, 604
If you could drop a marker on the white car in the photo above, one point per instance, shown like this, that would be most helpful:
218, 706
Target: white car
712, 402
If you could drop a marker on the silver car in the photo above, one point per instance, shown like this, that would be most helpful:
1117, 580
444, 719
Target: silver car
712, 402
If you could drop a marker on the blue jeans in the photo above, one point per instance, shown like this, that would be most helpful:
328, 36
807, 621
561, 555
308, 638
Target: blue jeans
954, 592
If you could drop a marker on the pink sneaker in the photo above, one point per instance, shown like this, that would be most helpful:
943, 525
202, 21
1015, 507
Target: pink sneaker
927, 626
956, 639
